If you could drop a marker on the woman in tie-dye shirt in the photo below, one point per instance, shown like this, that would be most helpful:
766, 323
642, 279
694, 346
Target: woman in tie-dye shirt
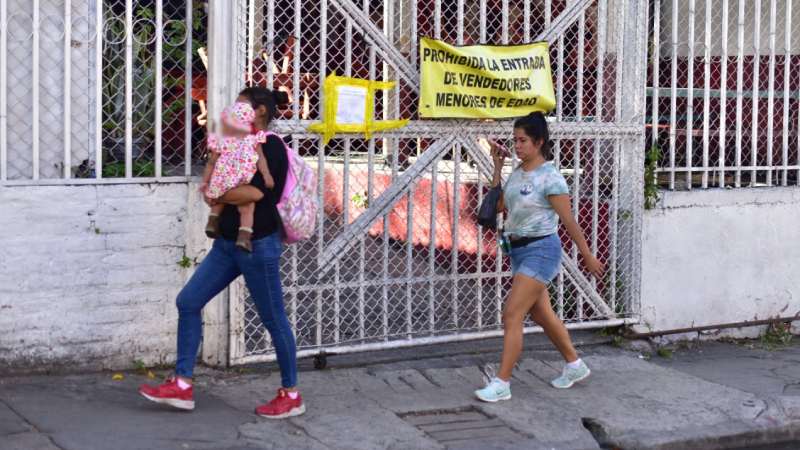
535, 197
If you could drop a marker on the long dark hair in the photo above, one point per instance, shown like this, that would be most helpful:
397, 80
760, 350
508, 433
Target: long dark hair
535, 126
259, 96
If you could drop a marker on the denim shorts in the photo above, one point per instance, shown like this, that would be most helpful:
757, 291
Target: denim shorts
540, 260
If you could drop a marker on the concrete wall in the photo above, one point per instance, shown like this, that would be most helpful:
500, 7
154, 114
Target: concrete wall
89, 274
721, 256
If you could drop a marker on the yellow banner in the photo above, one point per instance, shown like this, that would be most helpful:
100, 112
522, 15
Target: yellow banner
484, 81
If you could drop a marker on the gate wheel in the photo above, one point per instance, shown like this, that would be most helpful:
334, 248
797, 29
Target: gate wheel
320, 361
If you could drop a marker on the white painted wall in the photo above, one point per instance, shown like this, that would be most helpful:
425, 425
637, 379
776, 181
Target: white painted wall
89, 274
721, 256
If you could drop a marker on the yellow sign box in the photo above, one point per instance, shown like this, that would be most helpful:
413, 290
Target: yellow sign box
349, 108
484, 81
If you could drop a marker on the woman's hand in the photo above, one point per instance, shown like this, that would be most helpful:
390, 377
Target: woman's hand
593, 265
498, 153
562, 206
210, 201
498, 157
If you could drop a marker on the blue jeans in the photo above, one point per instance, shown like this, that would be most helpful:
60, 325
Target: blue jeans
261, 270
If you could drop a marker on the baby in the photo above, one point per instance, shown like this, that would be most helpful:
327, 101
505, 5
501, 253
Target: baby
235, 157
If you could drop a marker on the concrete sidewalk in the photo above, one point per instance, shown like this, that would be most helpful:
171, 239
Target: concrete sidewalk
711, 396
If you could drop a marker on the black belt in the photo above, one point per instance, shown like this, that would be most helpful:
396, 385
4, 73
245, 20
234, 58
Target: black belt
523, 241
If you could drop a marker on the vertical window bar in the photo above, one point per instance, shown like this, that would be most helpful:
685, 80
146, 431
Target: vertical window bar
67, 89
35, 82
656, 72
323, 39
455, 233
690, 97
483, 21
706, 92
251, 31
187, 131
4, 92
159, 85
409, 259
271, 47
98, 92
787, 47
432, 248
771, 91
756, 67
739, 91
723, 94
548, 12
437, 19
673, 126
460, 21
128, 89
298, 34
505, 21
526, 13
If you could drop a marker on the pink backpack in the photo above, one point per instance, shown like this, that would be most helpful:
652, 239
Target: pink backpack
297, 205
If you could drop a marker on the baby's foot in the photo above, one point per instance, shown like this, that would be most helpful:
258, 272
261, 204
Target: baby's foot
243, 240
212, 226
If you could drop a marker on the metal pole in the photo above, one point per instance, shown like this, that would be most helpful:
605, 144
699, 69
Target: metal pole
128, 89
187, 118
159, 85
67, 88
35, 87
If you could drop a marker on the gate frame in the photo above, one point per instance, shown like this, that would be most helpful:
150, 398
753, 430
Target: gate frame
224, 337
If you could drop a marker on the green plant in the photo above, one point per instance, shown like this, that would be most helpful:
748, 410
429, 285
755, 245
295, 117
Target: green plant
651, 191
778, 334
139, 366
140, 169
360, 200
617, 341
607, 331
185, 262
664, 352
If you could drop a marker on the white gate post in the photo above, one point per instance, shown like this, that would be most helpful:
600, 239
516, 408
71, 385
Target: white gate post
631, 159
225, 79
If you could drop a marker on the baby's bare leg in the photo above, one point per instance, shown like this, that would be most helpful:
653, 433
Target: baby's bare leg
212, 226
246, 213
217, 209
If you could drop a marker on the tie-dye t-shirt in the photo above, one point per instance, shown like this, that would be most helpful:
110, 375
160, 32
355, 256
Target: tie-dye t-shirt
525, 194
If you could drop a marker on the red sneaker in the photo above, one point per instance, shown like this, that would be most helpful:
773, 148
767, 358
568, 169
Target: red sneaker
282, 406
169, 394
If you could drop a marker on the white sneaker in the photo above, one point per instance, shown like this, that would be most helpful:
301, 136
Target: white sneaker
495, 390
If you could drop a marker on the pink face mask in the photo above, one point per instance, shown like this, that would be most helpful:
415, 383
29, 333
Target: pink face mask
239, 115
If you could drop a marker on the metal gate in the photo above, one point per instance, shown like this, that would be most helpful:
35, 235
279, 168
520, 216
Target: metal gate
398, 258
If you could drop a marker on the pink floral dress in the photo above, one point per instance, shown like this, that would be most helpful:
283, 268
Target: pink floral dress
236, 164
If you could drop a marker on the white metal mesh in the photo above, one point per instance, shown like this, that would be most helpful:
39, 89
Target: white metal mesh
422, 269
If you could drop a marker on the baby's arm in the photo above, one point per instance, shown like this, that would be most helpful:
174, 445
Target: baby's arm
264, 169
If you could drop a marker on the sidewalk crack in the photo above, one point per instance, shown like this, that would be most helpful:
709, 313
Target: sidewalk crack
30, 424
305, 432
